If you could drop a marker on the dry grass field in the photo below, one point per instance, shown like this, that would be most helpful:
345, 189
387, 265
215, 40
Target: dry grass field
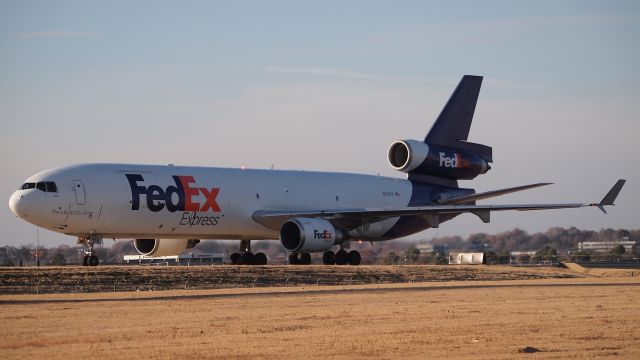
562, 318
78, 279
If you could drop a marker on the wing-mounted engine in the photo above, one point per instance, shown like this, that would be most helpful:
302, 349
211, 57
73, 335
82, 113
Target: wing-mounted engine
416, 157
163, 247
309, 235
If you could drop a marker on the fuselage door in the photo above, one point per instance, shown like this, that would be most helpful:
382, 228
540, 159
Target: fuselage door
80, 194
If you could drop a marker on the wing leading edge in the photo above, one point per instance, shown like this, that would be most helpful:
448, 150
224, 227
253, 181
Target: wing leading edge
274, 218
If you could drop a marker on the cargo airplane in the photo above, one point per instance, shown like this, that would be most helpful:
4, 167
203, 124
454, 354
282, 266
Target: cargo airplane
168, 209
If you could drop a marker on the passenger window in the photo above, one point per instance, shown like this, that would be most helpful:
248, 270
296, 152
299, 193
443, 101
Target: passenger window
51, 186
41, 186
26, 186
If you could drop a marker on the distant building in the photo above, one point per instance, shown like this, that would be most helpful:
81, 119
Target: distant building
466, 258
428, 248
425, 248
441, 249
182, 259
476, 246
605, 246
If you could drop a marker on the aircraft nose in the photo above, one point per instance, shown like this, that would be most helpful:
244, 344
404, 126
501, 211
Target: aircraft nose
17, 204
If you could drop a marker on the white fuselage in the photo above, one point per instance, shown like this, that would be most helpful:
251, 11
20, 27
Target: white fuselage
214, 203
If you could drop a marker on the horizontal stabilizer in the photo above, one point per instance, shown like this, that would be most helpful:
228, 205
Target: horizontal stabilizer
488, 194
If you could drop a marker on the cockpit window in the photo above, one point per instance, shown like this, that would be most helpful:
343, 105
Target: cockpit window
51, 186
46, 186
28, 185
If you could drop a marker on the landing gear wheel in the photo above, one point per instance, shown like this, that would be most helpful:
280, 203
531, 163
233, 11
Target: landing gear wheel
342, 257
235, 258
90, 259
293, 259
305, 259
329, 258
260, 259
93, 260
354, 257
247, 258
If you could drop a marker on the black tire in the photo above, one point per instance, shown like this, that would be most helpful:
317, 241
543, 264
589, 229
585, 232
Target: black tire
342, 257
354, 258
329, 258
260, 259
247, 258
293, 259
305, 259
235, 259
85, 260
93, 261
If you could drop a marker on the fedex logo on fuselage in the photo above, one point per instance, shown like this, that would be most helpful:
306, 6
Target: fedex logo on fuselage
456, 161
187, 195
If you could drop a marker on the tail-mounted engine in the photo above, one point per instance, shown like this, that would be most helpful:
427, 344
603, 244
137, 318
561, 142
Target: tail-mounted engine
416, 157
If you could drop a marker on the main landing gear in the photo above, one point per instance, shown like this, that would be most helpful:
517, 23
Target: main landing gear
300, 259
90, 259
342, 257
246, 257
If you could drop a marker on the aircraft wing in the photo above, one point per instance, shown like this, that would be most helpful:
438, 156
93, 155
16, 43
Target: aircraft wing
485, 195
351, 218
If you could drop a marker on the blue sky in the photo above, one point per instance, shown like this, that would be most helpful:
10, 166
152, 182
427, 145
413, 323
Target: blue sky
257, 83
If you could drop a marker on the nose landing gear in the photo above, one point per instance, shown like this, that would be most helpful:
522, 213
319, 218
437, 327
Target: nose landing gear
90, 259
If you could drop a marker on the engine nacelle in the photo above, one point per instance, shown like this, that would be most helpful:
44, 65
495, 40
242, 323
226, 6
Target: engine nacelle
416, 157
308, 235
163, 247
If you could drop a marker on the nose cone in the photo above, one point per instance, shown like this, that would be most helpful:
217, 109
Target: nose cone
17, 204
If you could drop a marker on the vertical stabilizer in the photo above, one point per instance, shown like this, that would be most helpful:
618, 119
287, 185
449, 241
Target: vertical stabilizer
454, 121
446, 156
451, 128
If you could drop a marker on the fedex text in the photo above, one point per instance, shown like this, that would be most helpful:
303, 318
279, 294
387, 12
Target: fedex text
184, 196
326, 234
455, 161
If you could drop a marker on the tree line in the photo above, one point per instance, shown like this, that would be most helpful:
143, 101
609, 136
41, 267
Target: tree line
554, 244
